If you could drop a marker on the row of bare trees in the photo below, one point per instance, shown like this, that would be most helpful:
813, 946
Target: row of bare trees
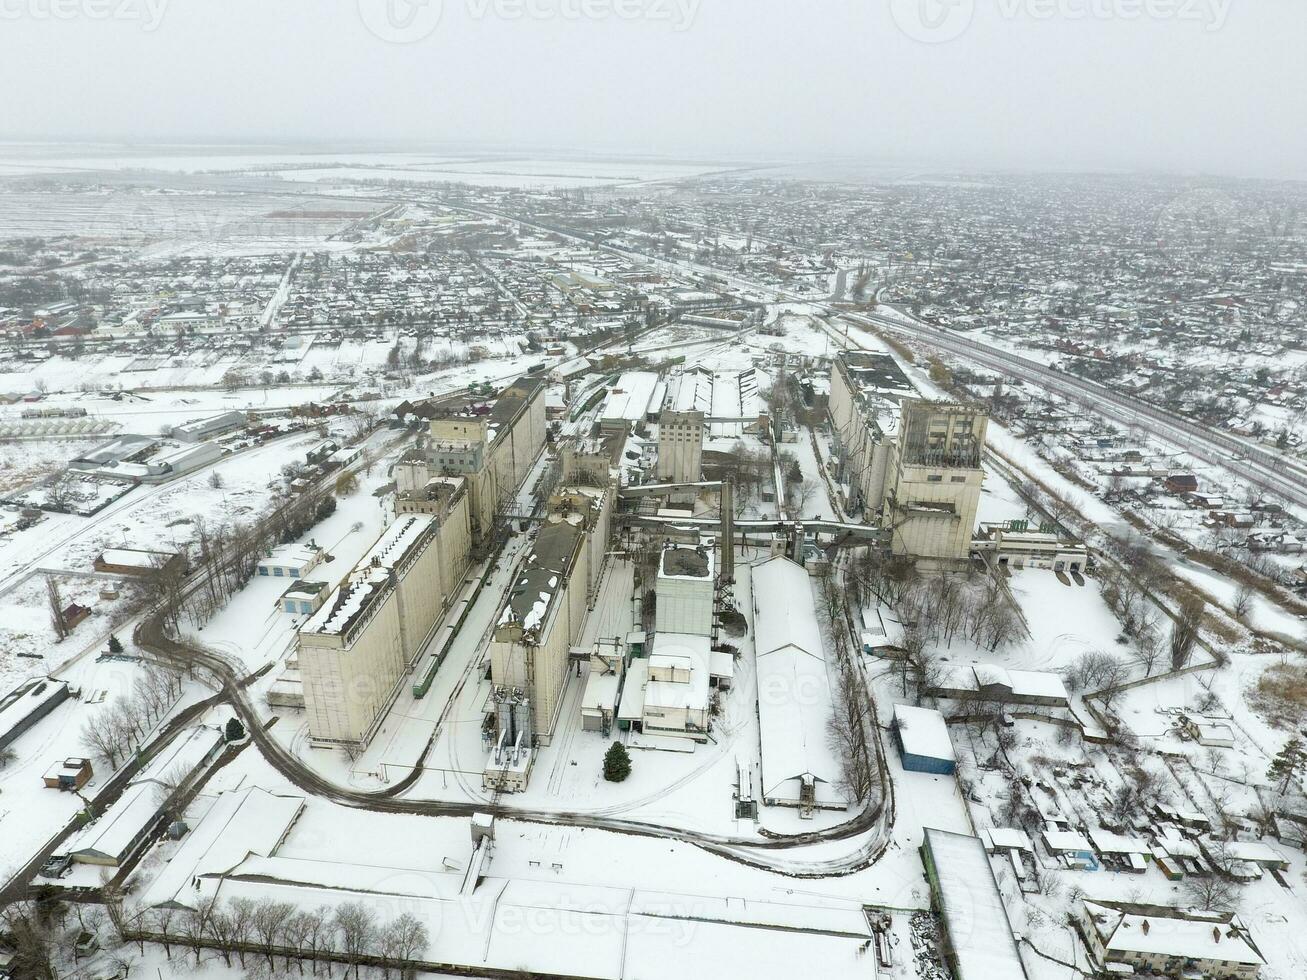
116, 731
247, 931
230, 556
849, 728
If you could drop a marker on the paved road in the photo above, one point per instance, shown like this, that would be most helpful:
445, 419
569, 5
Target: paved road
1266, 469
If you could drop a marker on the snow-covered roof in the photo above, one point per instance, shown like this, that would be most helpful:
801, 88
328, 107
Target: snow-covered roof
923, 732
679, 651
1258, 852
1107, 842
786, 616
184, 754
370, 576
30, 697
1022, 683
1066, 840
134, 558
1194, 935
1011, 838
236, 825
974, 917
632, 706
112, 835
299, 556
600, 692
794, 691
632, 397
576, 929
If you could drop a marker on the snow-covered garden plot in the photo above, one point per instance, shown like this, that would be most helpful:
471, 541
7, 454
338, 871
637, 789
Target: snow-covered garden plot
27, 461
28, 644
1053, 619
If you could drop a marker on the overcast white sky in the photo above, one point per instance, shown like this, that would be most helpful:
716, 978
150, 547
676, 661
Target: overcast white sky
1187, 85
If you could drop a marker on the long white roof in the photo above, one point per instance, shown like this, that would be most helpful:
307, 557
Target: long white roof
576, 929
1199, 937
794, 691
788, 617
973, 910
238, 824
113, 833
632, 397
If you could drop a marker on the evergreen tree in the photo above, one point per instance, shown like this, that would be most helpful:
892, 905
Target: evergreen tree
235, 731
115, 644
617, 763
1288, 763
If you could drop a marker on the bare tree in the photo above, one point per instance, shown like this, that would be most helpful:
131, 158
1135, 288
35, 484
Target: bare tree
1094, 671
1217, 891
400, 941
357, 925
32, 938
101, 734
161, 919
318, 931
847, 735
295, 933
269, 918
1184, 631
1149, 647
58, 616
1243, 602
803, 494
195, 923
240, 915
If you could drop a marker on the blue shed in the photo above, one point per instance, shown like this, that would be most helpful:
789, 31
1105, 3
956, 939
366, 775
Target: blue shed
923, 740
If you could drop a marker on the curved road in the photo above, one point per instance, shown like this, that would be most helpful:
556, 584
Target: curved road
744, 850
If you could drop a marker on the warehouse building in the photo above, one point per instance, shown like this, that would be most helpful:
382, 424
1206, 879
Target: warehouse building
134, 561
215, 425
239, 824
290, 561
27, 704
990, 682
634, 398
120, 833
921, 735
977, 939
794, 693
